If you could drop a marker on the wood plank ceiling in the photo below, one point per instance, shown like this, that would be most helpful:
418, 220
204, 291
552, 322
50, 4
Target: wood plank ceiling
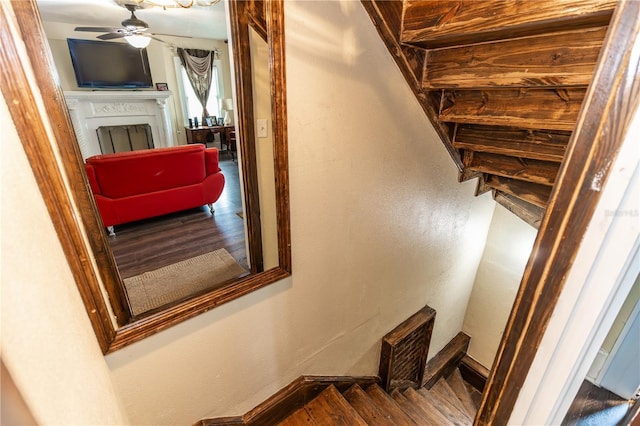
501, 80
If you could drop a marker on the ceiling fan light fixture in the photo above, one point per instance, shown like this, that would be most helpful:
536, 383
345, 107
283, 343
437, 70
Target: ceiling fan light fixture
137, 40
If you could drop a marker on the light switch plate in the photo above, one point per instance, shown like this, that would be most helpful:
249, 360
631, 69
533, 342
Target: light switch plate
262, 127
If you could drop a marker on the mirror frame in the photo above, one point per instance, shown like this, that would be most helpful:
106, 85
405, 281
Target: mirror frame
44, 127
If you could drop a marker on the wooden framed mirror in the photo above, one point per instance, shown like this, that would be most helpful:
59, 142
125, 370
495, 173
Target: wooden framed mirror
44, 126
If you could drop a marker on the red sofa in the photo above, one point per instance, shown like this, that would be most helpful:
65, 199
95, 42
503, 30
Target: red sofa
135, 185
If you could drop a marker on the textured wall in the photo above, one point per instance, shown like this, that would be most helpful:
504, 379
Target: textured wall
48, 344
505, 256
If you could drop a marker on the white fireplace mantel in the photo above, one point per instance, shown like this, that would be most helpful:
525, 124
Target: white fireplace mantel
92, 109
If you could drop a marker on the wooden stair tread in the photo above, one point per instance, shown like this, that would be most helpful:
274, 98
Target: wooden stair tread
330, 407
533, 193
456, 383
445, 406
427, 408
526, 211
299, 417
535, 145
548, 60
442, 387
409, 408
536, 171
389, 406
475, 394
552, 109
437, 23
366, 407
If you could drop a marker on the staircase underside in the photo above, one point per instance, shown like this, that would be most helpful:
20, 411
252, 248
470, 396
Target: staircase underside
502, 82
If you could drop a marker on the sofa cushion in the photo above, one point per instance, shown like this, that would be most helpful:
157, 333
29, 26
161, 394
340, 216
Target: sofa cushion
139, 172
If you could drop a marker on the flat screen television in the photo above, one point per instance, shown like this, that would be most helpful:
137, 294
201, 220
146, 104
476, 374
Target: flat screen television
103, 64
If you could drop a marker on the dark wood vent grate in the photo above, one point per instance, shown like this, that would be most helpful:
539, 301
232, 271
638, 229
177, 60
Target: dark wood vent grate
404, 351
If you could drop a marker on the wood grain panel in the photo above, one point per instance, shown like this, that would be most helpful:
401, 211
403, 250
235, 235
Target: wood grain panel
437, 23
527, 108
330, 408
536, 171
391, 10
474, 373
445, 361
533, 193
528, 212
456, 383
550, 60
366, 407
394, 412
534, 144
612, 101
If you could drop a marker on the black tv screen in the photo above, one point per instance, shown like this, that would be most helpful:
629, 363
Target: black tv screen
103, 64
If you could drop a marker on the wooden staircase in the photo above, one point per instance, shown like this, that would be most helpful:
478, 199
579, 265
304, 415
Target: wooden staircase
501, 81
448, 402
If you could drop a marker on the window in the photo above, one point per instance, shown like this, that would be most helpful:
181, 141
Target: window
192, 104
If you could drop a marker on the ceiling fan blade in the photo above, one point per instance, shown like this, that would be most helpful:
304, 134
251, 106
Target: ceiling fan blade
156, 39
95, 29
111, 36
169, 35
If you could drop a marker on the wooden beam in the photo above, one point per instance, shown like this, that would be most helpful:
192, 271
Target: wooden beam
550, 60
445, 361
536, 171
473, 372
533, 193
555, 109
482, 186
526, 211
611, 103
533, 144
438, 23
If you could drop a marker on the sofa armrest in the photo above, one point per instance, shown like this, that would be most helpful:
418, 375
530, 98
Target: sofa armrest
211, 161
93, 180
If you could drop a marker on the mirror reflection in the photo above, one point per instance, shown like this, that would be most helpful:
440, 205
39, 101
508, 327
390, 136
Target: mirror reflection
261, 81
156, 130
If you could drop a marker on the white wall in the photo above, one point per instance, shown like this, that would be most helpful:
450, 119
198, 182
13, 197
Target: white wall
380, 227
48, 344
505, 256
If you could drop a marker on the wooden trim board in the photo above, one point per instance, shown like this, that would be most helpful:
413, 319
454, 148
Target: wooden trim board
290, 398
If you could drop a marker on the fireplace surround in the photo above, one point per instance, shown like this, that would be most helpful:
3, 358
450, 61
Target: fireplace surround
90, 110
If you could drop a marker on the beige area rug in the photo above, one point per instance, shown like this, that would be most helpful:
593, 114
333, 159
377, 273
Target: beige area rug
174, 282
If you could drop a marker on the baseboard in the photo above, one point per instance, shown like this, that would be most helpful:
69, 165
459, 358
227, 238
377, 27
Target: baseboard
473, 372
445, 361
290, 398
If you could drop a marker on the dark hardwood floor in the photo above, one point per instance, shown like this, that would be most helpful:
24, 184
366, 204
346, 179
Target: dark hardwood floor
597, 407
153, 243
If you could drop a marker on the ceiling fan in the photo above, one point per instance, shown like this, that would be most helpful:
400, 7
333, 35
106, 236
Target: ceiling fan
133, 30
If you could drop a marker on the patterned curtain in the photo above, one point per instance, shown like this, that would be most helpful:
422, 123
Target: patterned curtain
199, 67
